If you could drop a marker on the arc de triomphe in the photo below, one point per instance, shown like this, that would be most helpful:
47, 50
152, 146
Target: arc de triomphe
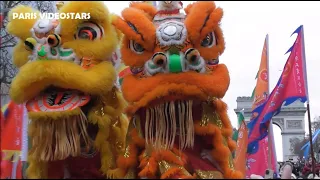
290, 120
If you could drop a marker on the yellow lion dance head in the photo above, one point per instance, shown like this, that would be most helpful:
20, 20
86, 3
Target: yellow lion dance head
179, 126
67, 80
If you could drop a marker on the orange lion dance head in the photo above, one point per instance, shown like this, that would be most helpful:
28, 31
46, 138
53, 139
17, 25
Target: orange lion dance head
179, 125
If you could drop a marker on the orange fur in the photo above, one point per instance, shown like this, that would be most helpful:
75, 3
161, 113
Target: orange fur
232, 144
171, 172
143, 25
142, 91
214, 51
131, 161
197, 30
221, 109
196, 18
188, 8
149, 169
140, 142
168, 156
132, 59
125, 28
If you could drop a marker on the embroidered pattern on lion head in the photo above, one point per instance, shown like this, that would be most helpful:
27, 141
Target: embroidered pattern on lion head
77, 126
179, 127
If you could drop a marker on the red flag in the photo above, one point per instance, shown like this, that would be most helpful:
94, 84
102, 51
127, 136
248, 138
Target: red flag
291, 86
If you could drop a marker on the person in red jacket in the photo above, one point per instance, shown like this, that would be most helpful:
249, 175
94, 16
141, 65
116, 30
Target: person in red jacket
307, 169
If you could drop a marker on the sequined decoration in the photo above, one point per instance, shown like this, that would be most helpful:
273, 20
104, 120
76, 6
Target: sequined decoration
205, 118
164, 166
231, 165
209, 174
184, 171
119, 145
213, 117
209, 116
218, 121
131, 174
127, 152
101, 112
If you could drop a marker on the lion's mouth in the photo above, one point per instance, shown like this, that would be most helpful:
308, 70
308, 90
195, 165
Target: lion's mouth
170, 123
56, 131
55, 99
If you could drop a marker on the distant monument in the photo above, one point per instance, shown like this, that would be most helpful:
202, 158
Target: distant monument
290, 120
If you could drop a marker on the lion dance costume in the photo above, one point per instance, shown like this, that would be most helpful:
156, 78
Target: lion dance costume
179, 126
67, 81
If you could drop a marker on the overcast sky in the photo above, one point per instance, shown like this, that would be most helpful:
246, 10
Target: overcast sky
245, 25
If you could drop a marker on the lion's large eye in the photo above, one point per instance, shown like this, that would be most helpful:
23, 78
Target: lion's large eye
136, 47
89, 31
209, 40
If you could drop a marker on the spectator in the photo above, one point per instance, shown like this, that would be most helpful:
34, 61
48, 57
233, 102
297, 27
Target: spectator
307, 169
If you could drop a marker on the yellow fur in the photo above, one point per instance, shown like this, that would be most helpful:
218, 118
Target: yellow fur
99, 14
21, 27
98, 81
53, 115
20, 54
42, 74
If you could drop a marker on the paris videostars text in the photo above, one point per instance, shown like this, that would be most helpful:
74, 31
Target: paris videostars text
51, 16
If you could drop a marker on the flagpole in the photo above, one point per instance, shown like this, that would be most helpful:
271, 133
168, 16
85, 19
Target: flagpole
270, 125
271, 142
308, 106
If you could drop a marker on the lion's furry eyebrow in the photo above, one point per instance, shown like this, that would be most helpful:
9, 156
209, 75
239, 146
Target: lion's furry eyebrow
201, 19
137, 26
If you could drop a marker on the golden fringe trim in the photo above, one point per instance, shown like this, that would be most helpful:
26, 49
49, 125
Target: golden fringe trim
161, 125
64, 135
53, 115
112, 126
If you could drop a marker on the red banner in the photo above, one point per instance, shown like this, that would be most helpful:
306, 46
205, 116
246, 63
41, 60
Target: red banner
11, 133
11, 168
11, 141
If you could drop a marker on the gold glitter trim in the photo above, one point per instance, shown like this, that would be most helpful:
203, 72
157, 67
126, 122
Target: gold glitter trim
131, 174
184, 171
209, 116
209, 174
164, 166
231, 165
127, 152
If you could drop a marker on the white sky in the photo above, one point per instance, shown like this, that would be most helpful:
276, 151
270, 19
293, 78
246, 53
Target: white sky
245, 25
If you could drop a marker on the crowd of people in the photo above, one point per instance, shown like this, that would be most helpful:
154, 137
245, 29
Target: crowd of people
301, 169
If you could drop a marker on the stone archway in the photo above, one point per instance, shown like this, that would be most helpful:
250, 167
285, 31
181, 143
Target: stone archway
291, 121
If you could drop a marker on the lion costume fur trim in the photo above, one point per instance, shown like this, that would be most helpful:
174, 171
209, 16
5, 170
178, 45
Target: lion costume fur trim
107, 109
21, 29
201, 19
